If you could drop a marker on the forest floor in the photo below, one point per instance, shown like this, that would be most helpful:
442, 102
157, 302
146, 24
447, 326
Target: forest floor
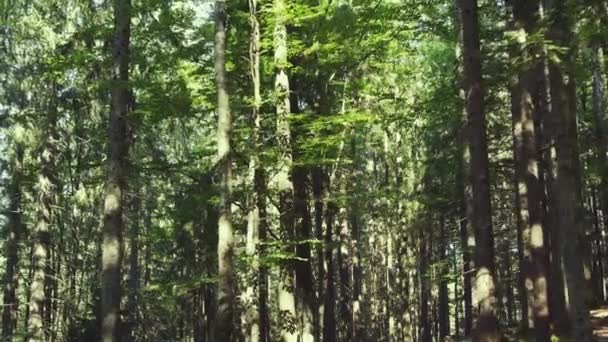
599, 320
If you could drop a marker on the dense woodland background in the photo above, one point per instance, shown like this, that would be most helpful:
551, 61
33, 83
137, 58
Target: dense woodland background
303, 170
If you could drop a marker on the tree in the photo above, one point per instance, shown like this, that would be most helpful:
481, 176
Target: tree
485, 279
116, 186
568, 197
530, 192
226, 297
15, 233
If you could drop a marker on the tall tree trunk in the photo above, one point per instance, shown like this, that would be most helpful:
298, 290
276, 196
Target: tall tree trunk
304, 278
485, 279
568, 197
46, 189
256, 221
226, 297
329, 313
15, 229
133, 283
528, 183
423, 271
444, 309
287, 300
317, 190
599, 118
116, 185
467, 236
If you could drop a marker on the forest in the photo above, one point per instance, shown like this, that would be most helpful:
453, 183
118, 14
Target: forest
303, 170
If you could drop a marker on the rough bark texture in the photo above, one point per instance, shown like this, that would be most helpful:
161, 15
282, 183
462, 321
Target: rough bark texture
568, 197
444, 309
304, 278
485, 279
226, 297
317, 190
329, 313
46, 190
133, 282
425, 326
528, 183
287, 300
256, 219
116, 185
599, 117
14, 233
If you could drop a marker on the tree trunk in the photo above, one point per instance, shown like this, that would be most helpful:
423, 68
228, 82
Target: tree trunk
287, 300
47, 188
317, 190
133, 283
304, 278
485, 280
15, 230
467, 237
256, 217
444, 308
568, 196
226, 297
116, 185
425, 326
329, 314
599, 118
528, 183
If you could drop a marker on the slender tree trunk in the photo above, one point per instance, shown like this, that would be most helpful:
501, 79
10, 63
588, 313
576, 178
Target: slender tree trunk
485, 279
467, 236
304, 278
287, 300
317, 189
226, 297
116, 185
256, 217
133, 283
425, 326
329, 314
568, 197
599, 118
549, 123
46, 189
444, 309
15, 229
598, 258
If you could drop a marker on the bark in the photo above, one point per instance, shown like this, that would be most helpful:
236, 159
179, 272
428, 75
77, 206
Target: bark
13, 238
485, 279
599, 275
256, 217
344, 262
304, 279
568, 197
467, 237
425, 326
133, 282
444, 310
47, 190
116, 185
260, 184
317, 190
287, 300
599, 118
528, 182
225, 318
354, 222
329, 313
307, 301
